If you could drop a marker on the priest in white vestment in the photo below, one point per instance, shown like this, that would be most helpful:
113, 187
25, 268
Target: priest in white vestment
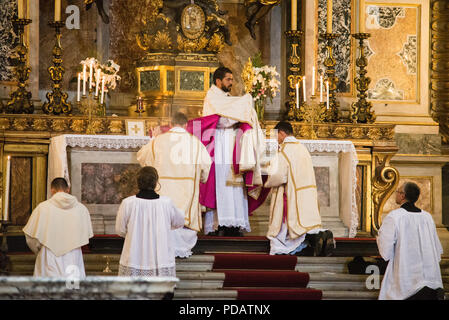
231, 212
56, 231
182, 162
145, 220
294, 209
409, 242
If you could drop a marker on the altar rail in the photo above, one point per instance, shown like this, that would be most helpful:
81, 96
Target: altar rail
89, 288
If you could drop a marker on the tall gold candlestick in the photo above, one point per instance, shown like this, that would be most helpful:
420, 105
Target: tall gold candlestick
57, 98
329, 16
333, 113
361, 110
20, 101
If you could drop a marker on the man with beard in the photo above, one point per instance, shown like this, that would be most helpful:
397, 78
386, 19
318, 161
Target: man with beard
238, 146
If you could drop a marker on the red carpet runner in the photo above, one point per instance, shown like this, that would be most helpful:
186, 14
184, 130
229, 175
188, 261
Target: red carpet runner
264, 277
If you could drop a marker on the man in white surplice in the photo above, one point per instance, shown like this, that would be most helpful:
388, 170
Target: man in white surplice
294, 210
409, 242
145, 221
231, 214
56, 231
182, 161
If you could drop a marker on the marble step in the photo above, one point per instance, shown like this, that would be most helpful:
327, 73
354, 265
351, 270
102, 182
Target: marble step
338, 282
189, 280
350, 295
183, 294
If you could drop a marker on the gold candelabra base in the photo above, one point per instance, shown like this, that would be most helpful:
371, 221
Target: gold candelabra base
333, 113
361, 109
57, 99
20, 101
91, 106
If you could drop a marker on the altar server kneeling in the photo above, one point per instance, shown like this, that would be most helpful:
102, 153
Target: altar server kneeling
56, 231
295, 221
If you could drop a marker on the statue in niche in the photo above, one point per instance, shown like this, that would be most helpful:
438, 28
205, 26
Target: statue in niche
255, 11
101, 11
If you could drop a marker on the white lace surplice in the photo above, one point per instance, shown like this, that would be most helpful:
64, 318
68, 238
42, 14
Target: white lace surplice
232, 202
146, 224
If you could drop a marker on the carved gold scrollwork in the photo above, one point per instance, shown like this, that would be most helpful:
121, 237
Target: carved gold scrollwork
116, 126
4, 124
385, 180
20, 124
77, 125
40, 124
439, 67
59, 125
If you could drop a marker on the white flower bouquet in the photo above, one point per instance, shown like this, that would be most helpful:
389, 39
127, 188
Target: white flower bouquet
261, 82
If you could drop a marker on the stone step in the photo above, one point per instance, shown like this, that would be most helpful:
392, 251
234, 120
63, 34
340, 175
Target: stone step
350, 295
182, 294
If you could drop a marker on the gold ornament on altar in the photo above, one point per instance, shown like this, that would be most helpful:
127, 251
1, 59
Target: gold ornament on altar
198, 29
193, 21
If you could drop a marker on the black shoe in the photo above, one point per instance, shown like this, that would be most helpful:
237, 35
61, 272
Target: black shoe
319, 245
329, 246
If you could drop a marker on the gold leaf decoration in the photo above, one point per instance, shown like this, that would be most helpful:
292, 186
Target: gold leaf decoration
39, 124
4, 124
20, 124
216, 43
115, 126
357, 133
374, 133
58, 125
340, 132
77, 125
162, 41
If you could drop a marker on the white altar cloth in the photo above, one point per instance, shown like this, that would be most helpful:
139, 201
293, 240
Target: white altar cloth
58, 164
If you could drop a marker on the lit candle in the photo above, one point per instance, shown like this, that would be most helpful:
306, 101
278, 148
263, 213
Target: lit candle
313, 81
20, 12
304, 88
102, 90
327, 91
6, 202
329, 16
321, 88
57, 10
91, 65
97, 83
361, 17
84, 80
79, 87
297, 94
293, 14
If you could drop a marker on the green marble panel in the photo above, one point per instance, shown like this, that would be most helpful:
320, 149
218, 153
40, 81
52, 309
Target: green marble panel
150, 80
191, 80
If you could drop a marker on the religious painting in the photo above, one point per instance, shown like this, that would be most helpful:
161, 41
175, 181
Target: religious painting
425, 200
108, 183
342, 52
135, 128
393, 69
193, 21
9, 39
